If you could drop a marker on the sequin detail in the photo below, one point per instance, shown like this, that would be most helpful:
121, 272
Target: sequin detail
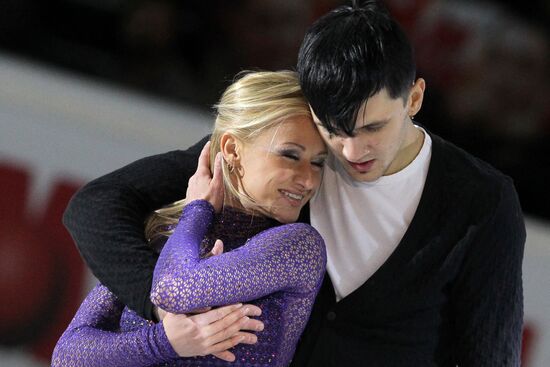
277, 267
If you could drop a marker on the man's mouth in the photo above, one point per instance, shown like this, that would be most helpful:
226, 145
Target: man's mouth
362, 167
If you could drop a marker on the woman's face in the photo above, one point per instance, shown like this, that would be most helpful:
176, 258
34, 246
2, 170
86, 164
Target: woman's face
281, 168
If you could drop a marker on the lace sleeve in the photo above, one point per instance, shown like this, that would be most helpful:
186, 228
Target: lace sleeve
93, 337
289, 258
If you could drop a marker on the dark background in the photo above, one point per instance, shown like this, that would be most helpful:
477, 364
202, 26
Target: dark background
485, 62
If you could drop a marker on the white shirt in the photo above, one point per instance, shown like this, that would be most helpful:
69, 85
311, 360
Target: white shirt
363, 222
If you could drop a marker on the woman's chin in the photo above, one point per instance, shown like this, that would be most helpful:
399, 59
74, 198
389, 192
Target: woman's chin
285, 218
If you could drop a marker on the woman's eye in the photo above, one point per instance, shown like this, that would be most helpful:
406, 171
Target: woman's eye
292, 156
319, 164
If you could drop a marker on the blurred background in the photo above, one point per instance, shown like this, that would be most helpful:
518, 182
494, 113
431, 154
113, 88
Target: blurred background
87, 86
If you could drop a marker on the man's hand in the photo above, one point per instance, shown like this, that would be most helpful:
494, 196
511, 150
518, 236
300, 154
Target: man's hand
205, 184
212, 332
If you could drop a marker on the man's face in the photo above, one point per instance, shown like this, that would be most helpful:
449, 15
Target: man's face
384, 134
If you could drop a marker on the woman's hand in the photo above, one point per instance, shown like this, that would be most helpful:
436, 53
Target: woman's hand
204, 185
212, 332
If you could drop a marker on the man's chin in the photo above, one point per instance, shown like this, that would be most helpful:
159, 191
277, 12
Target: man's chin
369, 176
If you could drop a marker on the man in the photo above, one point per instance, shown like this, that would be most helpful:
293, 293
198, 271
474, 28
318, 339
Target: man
424, 241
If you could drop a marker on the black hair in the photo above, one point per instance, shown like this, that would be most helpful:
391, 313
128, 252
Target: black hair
349, 55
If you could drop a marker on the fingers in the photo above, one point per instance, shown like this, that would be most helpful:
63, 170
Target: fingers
203, 165
232, 331
228, 343
212, 332
231, 320
218, 248
252, 325
233, 323
253, 310
225, 356
222, 347
217, 314
217, 177
216, 184
200, 310
246, 338
160, 313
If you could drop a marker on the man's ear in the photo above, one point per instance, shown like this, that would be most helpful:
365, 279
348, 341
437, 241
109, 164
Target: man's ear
416, 97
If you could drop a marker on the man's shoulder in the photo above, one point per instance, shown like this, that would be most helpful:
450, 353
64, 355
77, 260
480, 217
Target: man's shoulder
192, 151
174, 159
467, 176
456, 163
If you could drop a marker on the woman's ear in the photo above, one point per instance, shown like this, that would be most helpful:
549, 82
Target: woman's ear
416, 96
230, 148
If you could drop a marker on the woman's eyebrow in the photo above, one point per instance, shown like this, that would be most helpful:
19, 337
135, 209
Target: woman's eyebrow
300, 146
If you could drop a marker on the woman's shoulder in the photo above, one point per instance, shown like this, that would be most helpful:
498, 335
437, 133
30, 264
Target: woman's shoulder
295, 238
301, 230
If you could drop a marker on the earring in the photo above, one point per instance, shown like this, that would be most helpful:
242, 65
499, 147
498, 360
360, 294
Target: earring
234, 168
229, 164
238, 169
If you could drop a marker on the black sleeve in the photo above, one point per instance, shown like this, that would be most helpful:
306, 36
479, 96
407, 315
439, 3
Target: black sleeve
488, 295
106, 220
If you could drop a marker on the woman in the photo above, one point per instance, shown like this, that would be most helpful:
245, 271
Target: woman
267, 159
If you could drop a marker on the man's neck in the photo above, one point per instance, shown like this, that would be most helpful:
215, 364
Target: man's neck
409, 151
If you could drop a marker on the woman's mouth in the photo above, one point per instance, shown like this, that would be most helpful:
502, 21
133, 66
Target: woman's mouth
294, 198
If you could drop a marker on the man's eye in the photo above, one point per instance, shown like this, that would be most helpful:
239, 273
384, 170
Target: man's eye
372, 128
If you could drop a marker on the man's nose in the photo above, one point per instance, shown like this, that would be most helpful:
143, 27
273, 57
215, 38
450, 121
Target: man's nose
353, 149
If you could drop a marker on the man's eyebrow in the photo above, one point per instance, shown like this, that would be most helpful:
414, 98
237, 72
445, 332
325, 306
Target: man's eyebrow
377, 122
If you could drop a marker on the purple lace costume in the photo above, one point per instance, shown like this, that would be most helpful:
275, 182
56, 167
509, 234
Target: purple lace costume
276, 267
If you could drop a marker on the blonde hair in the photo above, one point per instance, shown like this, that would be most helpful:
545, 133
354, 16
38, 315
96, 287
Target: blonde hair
252, 104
